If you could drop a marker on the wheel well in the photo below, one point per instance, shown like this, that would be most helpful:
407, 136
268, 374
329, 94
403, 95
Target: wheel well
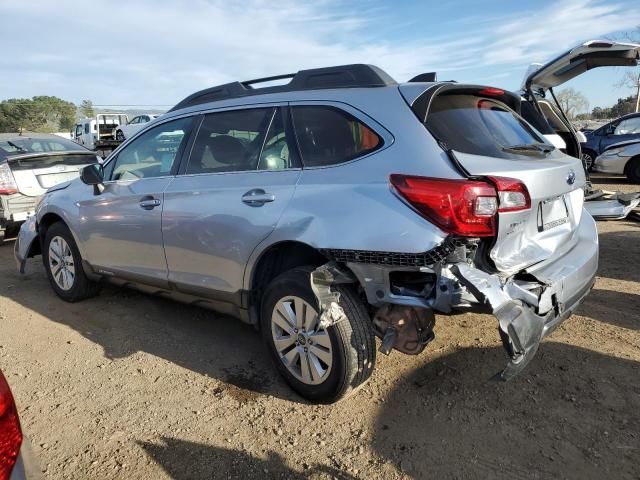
275, 260
45, 222
629, 162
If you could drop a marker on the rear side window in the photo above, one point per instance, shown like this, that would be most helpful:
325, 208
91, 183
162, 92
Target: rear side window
478, 125
328, 136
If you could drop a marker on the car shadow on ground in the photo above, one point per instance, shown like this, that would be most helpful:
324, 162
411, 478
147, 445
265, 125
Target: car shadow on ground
124, 321
184, 460
571, 414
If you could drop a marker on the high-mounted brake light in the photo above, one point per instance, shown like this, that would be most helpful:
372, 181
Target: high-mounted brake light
10, 433
463, 207
491, 92
7, 183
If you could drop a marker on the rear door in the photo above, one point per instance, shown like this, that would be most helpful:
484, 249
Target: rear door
491, 140
239, 178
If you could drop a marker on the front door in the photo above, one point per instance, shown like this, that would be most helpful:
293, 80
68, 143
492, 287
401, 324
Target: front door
121, 227
239, 178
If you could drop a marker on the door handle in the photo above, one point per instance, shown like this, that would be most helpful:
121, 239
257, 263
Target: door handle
257, 197
149, 203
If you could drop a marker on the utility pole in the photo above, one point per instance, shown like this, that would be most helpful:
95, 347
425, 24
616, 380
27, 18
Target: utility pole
638, 95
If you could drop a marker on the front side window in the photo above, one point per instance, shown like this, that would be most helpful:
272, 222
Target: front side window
153, 154
231, 141
478, 125
329, 136
86, 128
78, 130
630, 126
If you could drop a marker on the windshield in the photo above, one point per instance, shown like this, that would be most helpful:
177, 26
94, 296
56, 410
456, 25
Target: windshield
19, 144
481, 126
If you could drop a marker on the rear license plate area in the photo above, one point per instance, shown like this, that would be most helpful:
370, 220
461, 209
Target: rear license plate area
552, 213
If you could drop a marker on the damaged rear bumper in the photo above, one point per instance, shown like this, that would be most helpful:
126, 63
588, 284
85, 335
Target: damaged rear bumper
528, 311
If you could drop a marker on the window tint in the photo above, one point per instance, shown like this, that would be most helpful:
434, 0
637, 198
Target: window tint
629, 126
86, 128
477, 125
231, 142
327, 136
153, 154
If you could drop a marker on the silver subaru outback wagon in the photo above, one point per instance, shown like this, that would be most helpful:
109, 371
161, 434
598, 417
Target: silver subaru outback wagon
330, 210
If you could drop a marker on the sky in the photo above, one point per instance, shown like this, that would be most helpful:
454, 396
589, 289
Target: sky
155, 52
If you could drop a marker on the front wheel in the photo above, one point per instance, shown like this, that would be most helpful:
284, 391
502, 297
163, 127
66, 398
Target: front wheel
63, 264
322, 365
633, 170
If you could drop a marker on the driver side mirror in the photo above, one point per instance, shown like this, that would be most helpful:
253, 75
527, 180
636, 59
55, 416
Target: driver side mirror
609, 130
93, 175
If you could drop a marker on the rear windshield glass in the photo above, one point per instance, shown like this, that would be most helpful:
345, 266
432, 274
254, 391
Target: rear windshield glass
478, 125
17, 145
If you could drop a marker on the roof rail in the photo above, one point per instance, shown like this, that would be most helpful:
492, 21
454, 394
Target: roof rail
344, 76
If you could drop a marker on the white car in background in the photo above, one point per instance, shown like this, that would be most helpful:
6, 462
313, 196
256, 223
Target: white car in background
125, 131
620, 159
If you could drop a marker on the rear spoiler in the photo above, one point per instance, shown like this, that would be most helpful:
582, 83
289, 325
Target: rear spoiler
422, 102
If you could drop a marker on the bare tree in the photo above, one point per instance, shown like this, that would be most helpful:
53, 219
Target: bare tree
631, 78
572, 102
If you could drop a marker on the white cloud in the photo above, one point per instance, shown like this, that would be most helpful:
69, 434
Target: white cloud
156, 52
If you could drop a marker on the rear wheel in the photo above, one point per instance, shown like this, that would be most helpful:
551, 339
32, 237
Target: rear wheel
632, 170
63, 263
120, 136
322, 365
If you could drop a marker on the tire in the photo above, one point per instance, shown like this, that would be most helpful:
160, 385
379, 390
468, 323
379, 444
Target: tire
587, 159
120, 136
632, 170
70, 288
351, 342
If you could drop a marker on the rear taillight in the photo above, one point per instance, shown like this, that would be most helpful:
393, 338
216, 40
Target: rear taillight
10, 433
463, 207
7, 183
512, 194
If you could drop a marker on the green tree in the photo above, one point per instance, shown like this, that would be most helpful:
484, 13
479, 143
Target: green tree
37, 114
86, 109
572, 102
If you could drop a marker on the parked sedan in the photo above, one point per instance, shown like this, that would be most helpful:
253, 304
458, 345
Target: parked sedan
29, 165
125, 131
16, 459
623, 129
620, 159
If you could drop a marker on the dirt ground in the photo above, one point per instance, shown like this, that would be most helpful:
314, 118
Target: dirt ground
129, 386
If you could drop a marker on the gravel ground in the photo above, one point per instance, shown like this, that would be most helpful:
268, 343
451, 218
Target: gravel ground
128, 386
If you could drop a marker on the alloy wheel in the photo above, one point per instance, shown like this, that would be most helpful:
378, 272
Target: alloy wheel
303, 347
61, 263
